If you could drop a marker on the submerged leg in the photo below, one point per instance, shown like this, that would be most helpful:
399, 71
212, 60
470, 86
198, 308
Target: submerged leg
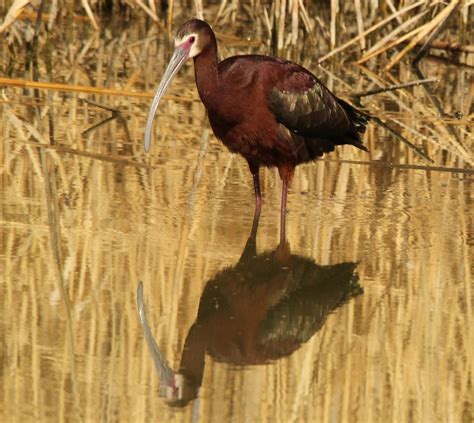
286, 175
284, 193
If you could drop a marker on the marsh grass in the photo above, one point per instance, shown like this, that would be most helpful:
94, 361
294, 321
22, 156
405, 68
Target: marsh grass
374, 25
85, 215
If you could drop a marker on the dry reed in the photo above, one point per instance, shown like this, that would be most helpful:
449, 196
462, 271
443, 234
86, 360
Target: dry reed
84, 219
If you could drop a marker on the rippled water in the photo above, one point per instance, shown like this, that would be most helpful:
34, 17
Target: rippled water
364, 315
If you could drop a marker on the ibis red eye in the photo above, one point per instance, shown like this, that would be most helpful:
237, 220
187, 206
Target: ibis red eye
192, 39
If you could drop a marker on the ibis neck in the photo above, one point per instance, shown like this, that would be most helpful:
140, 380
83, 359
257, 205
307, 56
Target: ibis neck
205, 71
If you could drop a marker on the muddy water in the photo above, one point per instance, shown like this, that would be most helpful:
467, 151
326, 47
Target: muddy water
364, 315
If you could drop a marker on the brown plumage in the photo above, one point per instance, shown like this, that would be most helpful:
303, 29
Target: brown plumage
271, 111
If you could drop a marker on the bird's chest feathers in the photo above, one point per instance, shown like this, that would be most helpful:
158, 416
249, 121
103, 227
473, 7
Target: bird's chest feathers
240, 118
235, 117
233, 113
230, 101
223, 108
255, 136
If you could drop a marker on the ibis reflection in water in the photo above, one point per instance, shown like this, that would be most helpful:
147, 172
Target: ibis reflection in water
271, 111
259, 310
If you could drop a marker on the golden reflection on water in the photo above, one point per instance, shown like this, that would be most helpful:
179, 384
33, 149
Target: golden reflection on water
401, 351
84, 220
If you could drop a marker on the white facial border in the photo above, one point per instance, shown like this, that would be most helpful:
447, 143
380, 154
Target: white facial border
193, 49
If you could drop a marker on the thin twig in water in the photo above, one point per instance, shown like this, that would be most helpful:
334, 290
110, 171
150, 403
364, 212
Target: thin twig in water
98, 125
379, 163
61, 148
101, 106
418, 151
394, 87
116, 114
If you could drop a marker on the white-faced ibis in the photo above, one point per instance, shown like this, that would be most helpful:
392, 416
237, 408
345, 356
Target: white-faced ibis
263, 308
271, 111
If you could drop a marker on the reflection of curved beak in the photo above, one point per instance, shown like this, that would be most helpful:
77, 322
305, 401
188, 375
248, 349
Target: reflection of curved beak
174, 387
166, 373
177, 60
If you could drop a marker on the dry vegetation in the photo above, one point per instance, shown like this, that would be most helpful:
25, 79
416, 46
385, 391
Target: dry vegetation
85, 214
110, 48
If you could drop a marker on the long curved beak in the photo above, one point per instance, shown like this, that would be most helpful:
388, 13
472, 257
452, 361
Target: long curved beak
177, 60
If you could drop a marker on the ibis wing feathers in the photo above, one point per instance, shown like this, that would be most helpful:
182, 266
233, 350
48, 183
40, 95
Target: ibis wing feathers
310, 120
305, 106
310, 112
